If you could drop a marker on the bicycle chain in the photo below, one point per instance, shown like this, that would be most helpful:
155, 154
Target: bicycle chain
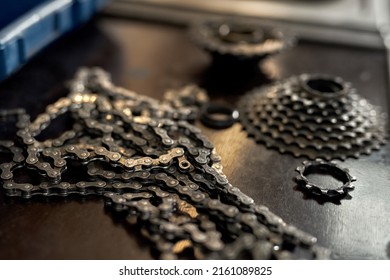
152, 165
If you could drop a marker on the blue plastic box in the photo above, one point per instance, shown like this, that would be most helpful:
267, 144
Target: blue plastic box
26, 26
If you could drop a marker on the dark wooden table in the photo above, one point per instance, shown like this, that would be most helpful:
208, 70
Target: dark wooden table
149, 58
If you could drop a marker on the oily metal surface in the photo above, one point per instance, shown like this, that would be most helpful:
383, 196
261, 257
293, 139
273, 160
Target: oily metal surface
296, 119
146, 57
149, 162
325, 168
243, 40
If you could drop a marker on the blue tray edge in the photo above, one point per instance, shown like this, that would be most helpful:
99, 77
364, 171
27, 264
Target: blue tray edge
30, 33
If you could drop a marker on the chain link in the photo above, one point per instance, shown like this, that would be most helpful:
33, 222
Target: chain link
152, 165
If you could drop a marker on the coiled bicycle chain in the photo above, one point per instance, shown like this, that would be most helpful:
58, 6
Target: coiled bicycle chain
152, 165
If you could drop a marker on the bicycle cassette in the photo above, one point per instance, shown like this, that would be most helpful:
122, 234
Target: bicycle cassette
238, 40
315, 116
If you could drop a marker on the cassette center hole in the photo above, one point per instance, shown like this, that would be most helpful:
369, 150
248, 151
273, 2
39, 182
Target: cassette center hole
324, 86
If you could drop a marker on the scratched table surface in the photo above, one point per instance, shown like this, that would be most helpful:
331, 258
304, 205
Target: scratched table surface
152, 57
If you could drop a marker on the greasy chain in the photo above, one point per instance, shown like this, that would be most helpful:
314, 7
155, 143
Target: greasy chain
153, 166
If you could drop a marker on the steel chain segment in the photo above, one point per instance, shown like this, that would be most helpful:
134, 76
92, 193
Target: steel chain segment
151, 165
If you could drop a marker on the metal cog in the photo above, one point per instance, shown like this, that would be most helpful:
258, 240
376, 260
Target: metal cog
315, 116
245, 40
328, 168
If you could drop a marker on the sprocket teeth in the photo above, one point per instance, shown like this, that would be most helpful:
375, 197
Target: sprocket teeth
253, 44
337, 125
328, 168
